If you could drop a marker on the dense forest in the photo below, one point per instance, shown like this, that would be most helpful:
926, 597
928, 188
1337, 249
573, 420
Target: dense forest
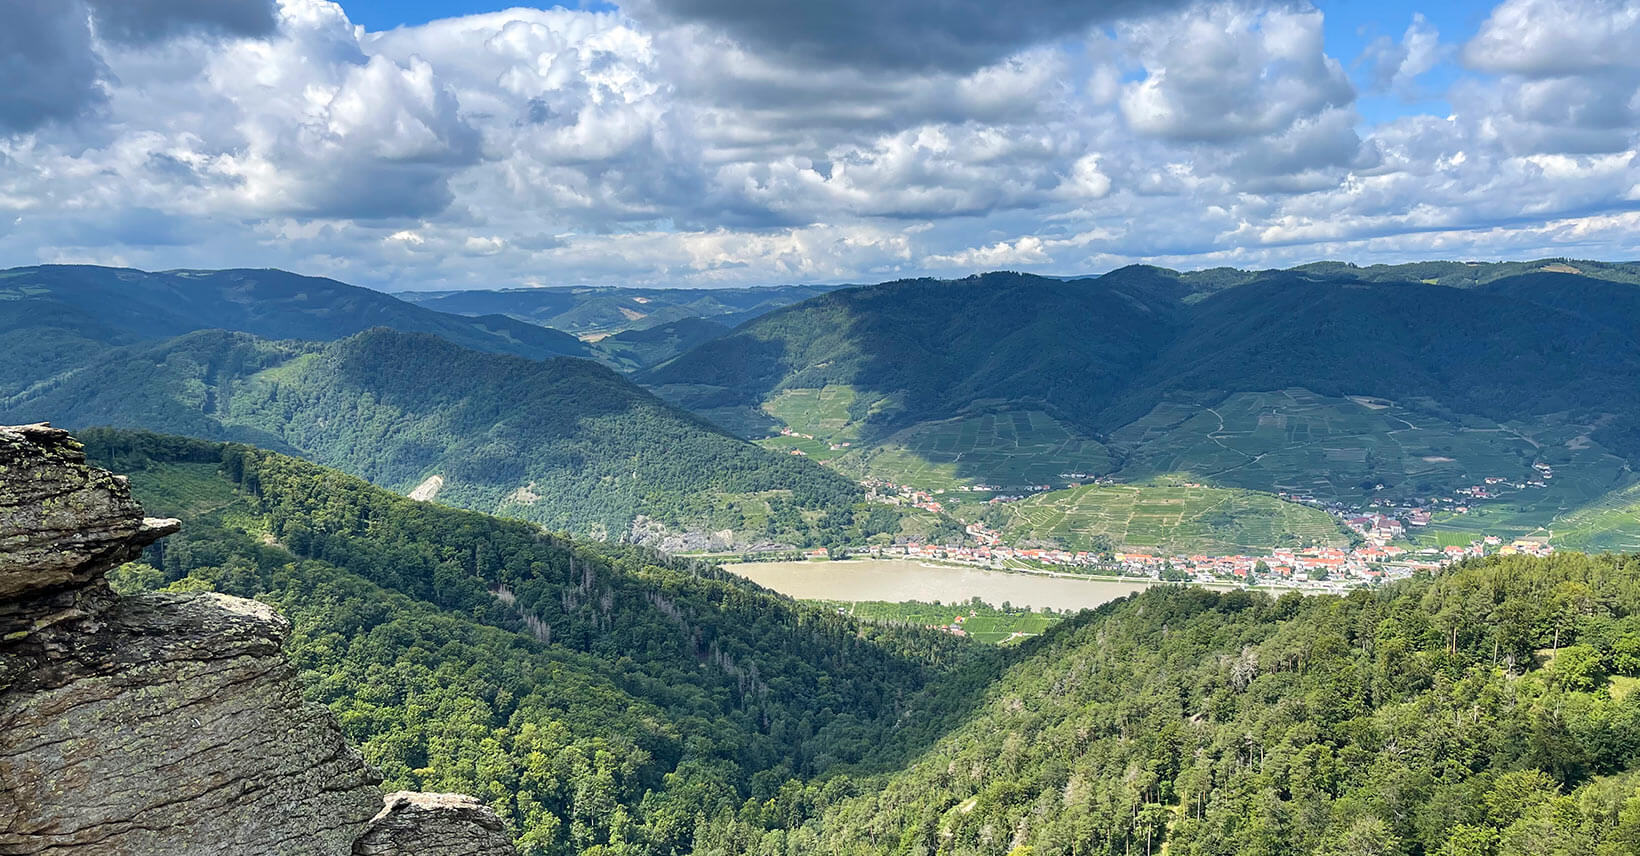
596, 695
926, 348
1099, 352
565, 443
610, 700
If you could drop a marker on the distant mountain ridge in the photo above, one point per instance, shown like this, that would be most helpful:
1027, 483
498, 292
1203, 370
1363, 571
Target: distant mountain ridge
1356, 387
51, 316
594, 310
566, 443
1098, 351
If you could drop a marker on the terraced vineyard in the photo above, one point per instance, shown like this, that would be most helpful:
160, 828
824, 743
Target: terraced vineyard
1008, 449
821, 413
1172, 518
1331, 448
1610, 525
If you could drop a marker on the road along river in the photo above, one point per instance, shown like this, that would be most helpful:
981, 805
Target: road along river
898, 580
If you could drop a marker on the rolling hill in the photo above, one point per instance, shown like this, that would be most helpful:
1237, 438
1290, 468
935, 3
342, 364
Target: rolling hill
565, 443
640, 348
1343, 384
598, 696
928, 349
53, 316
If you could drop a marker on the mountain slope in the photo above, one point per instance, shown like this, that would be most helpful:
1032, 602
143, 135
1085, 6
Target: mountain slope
565, 443
1413, 721
53, 313
631, 350
594, 695
1341, 384
1474, 351
921, 349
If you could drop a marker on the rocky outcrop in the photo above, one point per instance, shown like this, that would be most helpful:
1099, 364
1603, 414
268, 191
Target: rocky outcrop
62, 526
412, 823
165, 723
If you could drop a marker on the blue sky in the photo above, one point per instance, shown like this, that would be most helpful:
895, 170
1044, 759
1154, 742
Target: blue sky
428, 144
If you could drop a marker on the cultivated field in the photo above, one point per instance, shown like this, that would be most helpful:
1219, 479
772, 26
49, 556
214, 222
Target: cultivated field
1009, 449
984, 623
1171, 519
1330, 448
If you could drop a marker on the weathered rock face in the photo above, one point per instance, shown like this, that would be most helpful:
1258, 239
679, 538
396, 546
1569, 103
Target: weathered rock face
411, 824
164, 723
62, 526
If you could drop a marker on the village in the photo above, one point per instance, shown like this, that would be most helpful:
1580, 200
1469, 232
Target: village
1383, 552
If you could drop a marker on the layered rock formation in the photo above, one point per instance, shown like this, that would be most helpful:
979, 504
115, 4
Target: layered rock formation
166, 723
452, 824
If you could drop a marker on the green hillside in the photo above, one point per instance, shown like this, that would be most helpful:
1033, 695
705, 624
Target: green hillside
1348, 385
607, 700
53, 316
630, 350
1415, 721
1166, 518
594, 695
929, 350
1611, 524
564, 443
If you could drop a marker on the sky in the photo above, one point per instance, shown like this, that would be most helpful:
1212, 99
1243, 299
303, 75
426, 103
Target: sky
433, 144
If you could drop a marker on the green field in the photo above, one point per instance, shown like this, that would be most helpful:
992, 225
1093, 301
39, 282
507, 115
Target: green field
1611, 524
1010, 449
822, 413
1330, 448
1342, 449
982, 622
1169, 518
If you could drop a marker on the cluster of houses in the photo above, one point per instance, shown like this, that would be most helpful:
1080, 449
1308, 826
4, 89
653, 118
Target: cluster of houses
1315, 567
1380, 526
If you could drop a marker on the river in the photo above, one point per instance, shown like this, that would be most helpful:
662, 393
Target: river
898, 580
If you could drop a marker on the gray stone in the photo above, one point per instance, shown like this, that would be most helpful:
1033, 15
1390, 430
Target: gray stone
166, 723
417, 824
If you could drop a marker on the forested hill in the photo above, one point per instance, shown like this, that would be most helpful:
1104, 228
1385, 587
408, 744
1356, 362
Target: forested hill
598, 696
51, 316
604, 697
927, 348
1490, 711
1098, 353
565, 443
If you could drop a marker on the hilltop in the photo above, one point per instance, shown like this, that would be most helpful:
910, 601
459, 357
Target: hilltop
565, 443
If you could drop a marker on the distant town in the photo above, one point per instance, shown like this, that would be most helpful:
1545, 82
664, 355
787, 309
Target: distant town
1380, 525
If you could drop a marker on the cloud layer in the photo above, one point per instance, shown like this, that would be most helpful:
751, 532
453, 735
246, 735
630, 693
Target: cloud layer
723, 141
